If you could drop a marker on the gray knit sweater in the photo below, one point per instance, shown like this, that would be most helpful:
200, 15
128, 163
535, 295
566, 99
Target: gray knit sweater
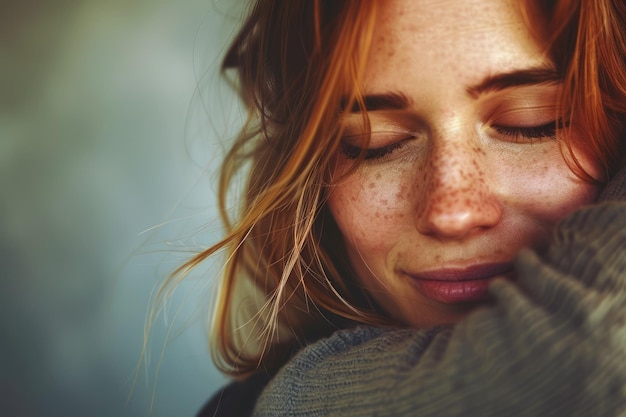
553, 344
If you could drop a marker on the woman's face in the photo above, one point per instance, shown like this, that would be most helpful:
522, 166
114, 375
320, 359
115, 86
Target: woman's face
463, 168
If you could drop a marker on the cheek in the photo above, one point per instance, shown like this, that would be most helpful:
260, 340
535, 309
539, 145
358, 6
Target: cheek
371, 209
544, 187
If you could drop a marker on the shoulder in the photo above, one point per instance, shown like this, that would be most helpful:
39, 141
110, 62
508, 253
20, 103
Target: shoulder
237, 398
330, 375
360, 343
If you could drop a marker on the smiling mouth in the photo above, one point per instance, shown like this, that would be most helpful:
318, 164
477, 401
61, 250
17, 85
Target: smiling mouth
456, 285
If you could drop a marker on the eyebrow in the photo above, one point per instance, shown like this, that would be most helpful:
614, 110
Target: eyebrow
517, 78
497, 82
386, 101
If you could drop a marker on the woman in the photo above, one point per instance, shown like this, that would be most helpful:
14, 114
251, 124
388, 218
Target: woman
400, 155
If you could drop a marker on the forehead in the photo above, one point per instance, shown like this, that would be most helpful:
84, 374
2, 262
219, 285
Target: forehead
418, 41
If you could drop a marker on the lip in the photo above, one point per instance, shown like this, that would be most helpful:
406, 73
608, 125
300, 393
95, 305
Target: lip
460, 285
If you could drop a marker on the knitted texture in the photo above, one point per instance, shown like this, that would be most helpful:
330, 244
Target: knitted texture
552, 344
615, 190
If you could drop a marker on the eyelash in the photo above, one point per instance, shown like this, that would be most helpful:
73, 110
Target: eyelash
547, 130
353, 152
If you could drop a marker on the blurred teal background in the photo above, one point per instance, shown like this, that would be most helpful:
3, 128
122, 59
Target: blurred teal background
112, 123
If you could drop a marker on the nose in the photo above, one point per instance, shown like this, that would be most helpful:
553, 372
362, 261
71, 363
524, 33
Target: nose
455, 199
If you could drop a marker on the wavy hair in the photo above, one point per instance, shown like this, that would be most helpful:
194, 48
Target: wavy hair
296, 64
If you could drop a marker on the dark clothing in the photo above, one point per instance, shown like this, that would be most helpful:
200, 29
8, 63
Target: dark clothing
236, 399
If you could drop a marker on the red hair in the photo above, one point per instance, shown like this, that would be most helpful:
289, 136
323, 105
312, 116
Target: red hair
294, 62
588, 45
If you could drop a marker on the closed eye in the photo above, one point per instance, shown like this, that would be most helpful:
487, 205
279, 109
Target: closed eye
547, 130
353, 152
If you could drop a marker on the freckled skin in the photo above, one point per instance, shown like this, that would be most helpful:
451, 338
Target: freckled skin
464, 197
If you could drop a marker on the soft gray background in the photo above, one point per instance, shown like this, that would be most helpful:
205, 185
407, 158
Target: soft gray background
107, 173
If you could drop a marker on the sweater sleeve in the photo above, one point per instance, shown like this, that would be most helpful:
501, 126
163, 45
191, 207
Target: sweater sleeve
552, 344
